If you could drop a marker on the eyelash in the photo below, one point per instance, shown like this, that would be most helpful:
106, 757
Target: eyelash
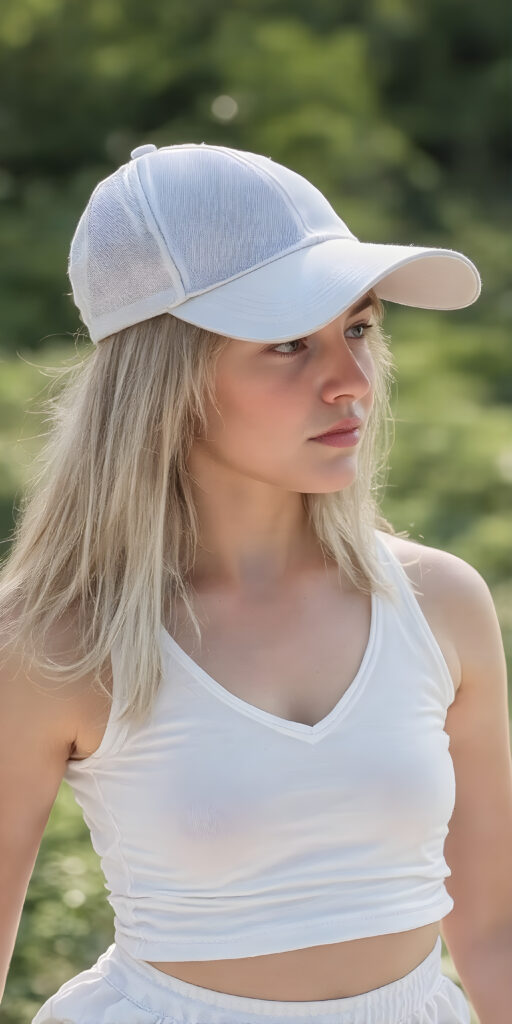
293, 341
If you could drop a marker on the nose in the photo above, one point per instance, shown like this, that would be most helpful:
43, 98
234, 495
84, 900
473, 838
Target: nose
342, 371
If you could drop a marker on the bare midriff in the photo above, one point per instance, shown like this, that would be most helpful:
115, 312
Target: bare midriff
331, 971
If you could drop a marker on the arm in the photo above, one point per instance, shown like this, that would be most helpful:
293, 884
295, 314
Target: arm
478, 848
485, 971
35, 742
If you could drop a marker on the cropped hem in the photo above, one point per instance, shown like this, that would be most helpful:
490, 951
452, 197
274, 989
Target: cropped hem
280, 939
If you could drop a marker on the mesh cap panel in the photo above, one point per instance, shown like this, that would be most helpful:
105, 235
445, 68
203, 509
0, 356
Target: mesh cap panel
116, 259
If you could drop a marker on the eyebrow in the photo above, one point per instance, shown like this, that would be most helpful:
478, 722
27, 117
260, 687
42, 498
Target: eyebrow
363, 304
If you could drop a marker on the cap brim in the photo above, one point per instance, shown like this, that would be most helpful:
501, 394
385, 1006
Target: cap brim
302, 291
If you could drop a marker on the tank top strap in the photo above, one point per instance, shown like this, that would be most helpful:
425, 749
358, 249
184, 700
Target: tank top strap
115, 731
412, 613
394, 570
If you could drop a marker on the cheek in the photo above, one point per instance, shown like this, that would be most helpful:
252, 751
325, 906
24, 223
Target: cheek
264, 412
254, 409
367, 364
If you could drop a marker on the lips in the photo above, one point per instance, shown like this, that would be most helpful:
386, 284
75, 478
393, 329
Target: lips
342, 427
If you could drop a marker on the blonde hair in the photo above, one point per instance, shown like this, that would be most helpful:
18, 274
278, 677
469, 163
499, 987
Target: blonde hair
107, 529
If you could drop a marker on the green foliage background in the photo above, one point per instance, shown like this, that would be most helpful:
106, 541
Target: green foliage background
400, 113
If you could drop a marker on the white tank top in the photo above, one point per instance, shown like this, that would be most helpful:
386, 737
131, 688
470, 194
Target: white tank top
225, 831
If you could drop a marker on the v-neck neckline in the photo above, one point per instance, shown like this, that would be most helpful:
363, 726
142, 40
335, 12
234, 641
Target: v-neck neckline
300, 729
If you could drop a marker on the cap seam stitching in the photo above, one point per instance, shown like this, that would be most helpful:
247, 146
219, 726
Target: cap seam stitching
174, 270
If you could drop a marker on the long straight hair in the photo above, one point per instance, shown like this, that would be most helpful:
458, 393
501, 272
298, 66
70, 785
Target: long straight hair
107, 528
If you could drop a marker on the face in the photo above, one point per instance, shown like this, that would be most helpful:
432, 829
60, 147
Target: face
273, 398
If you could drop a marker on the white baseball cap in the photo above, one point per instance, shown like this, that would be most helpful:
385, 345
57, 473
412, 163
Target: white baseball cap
240, 245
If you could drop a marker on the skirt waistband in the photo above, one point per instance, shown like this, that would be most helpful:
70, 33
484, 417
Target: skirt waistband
184, 1003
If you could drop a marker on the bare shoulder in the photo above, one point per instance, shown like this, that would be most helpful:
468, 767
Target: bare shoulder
43, 709
425, 561
451, 592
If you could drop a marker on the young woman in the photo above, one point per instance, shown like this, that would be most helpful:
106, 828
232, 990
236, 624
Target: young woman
261, 677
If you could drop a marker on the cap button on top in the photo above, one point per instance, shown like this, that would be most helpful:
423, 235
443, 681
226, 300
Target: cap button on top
142, 150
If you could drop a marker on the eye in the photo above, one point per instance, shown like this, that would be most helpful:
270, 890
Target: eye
295, 341
299, 341
366, 326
